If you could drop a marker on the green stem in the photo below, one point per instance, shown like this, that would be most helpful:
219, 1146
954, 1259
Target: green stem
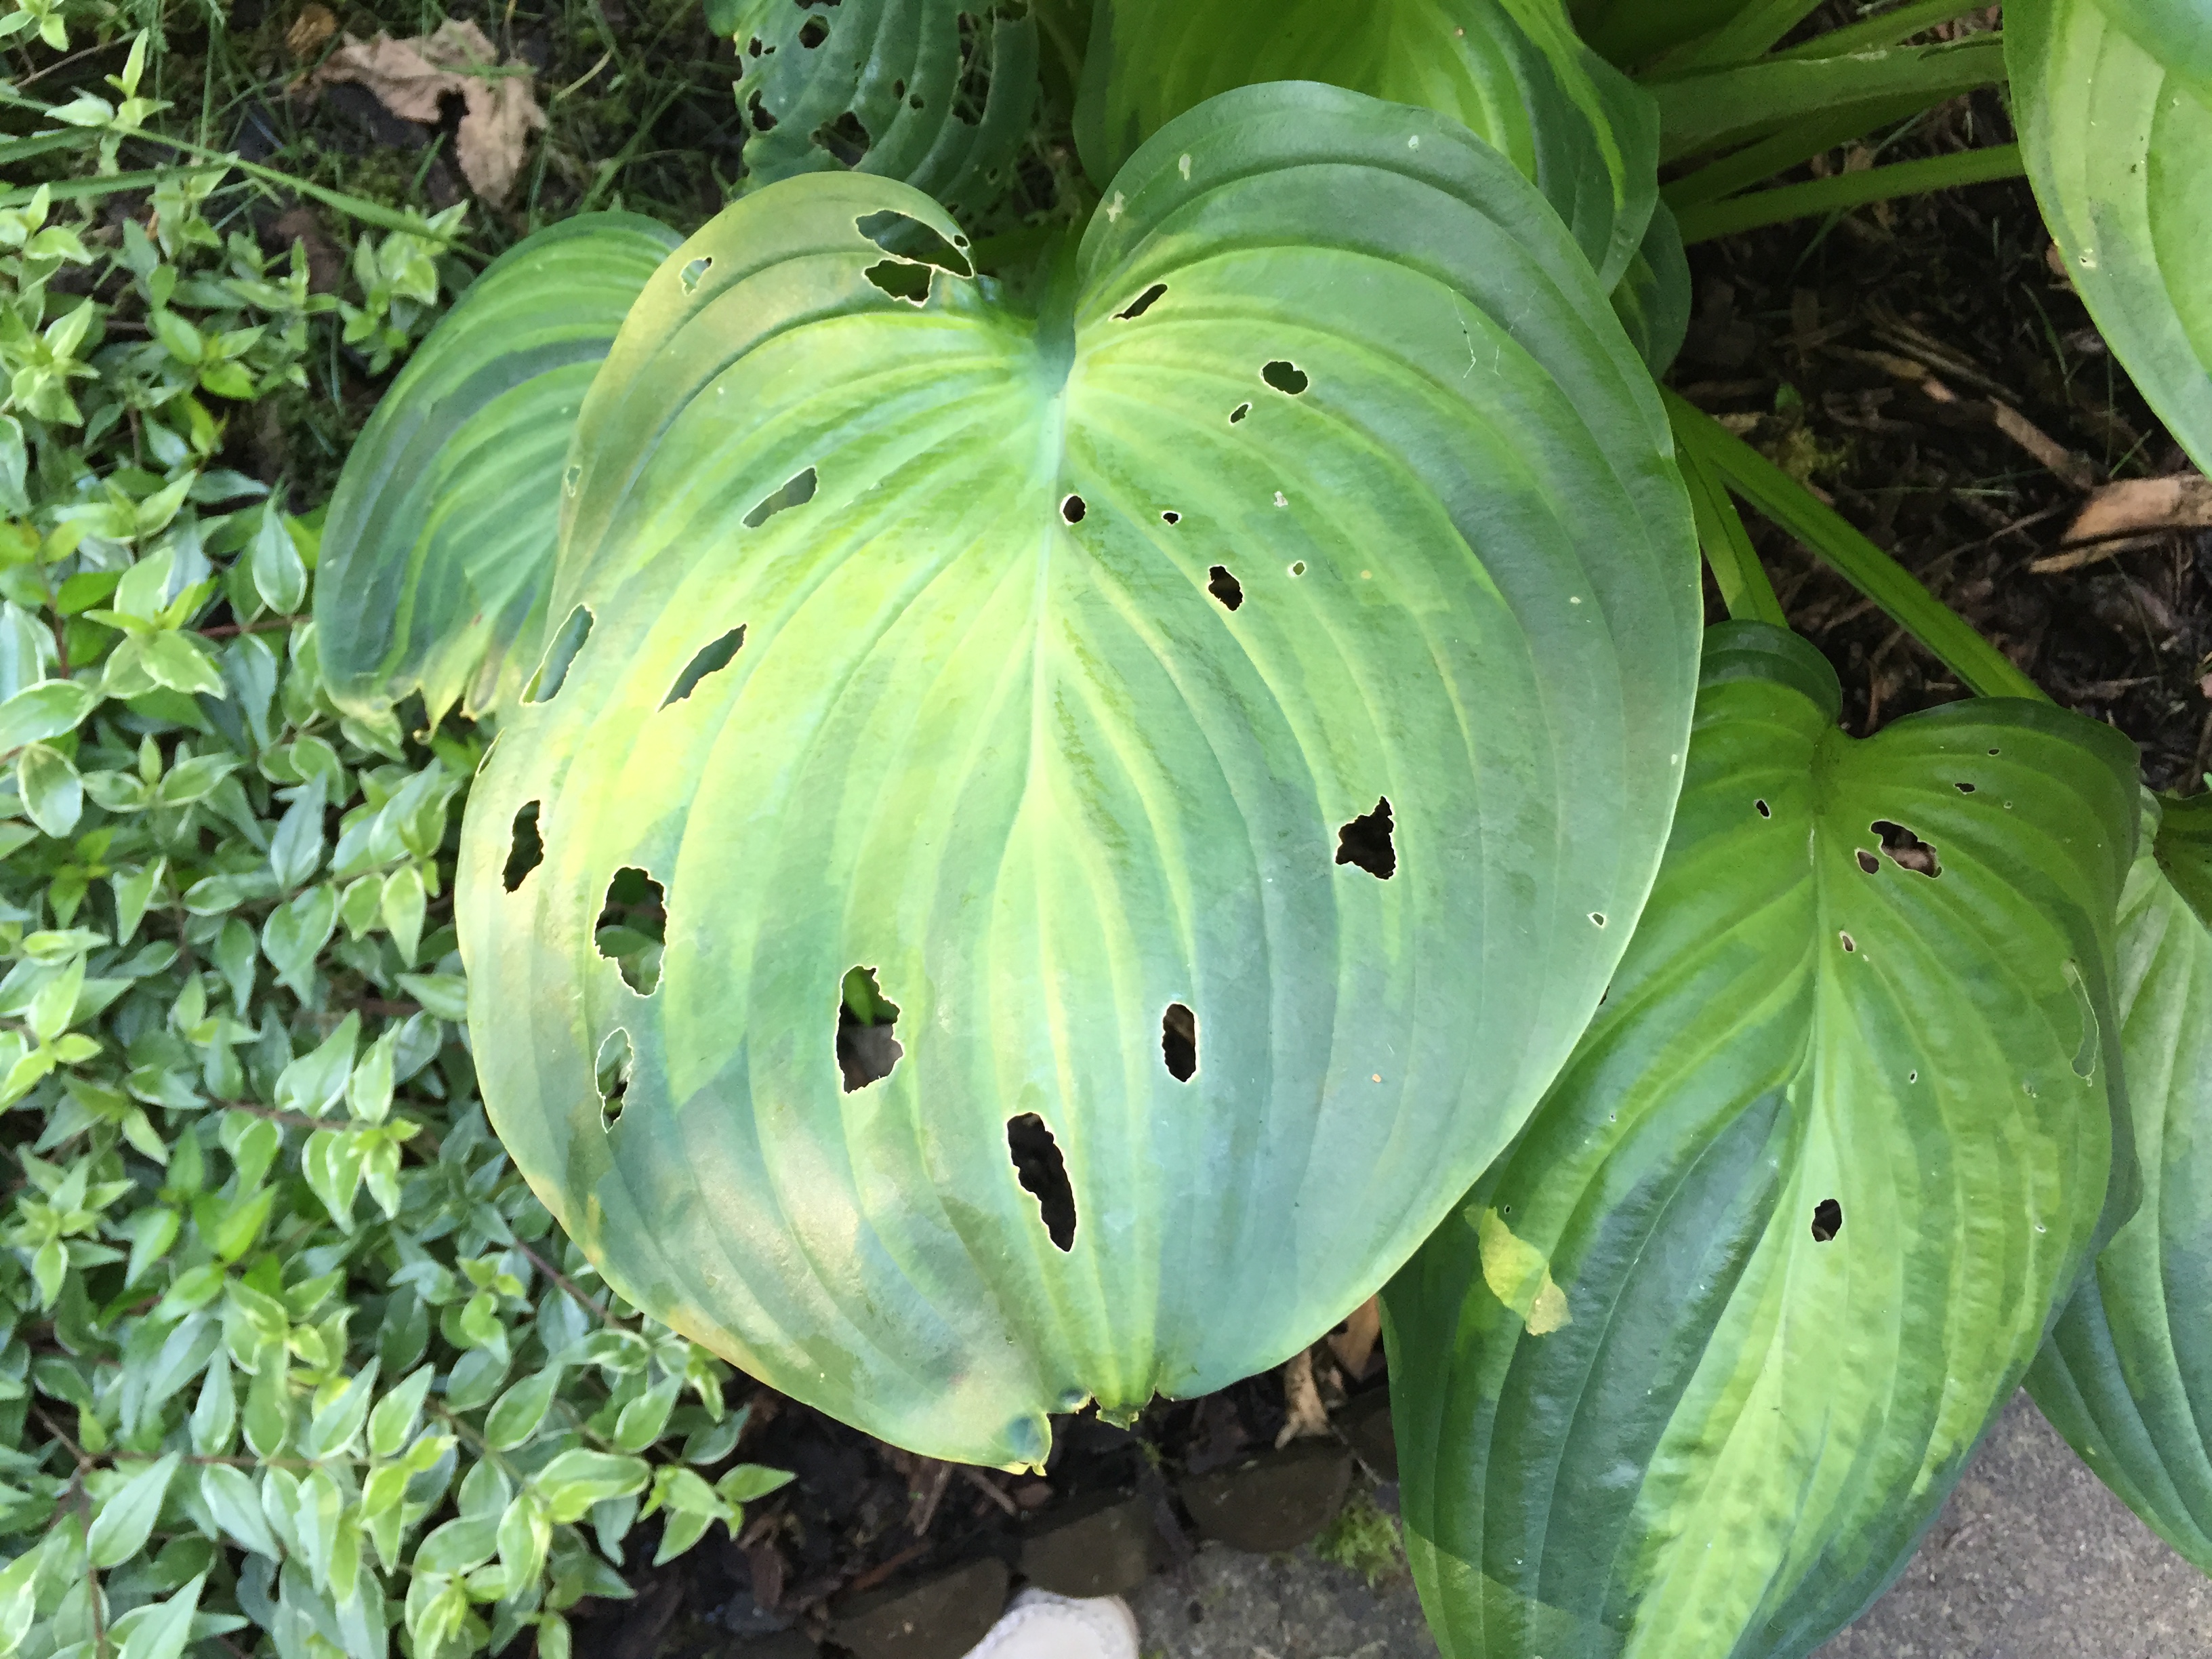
1844, 190
1891, 29
1979, 665
1727, 545
1799, 142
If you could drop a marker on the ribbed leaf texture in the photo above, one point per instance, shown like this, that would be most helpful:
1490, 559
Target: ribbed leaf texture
438, 549
2127, 1375
1693, 1366
1230, 716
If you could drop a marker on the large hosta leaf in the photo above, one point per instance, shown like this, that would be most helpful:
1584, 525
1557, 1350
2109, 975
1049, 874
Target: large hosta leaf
1696, 1362
438, 550
1512, 70
1289, 634
2127, 1375
2118, 130
937, 93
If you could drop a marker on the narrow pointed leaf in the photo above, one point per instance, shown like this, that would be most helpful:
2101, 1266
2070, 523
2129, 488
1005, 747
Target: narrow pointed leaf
1291, 663
1698, 1361
438, 548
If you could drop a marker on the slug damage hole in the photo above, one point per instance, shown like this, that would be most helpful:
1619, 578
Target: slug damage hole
1285, 377
1239, 413
1225, 587
525, 851
1141, 304
1179, 1041
1851, 945
1764, 811
1072, 509
844, 139
611, 1075
1868, 861
693, 271
633, 922
812, 33
1964, 788
901, 279
1043, 1175
796, 493
553, 671
1170, 517
1827, 1220
1366, 842
907, 238
763, 119
1906, 848
867, 1050
709, 660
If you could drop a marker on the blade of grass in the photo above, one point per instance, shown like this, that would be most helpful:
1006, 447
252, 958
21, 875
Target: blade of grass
1844, 190
1890, 28
1736, 570
1979, 665
1744, 37
1799, 142
81, 189
22, 149
1701, 112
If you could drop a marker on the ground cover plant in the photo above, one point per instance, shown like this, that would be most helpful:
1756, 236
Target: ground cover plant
1066, 715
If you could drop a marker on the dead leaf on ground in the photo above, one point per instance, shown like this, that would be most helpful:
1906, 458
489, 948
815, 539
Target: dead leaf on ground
2132, 512
313, 26
1354, 1345
410, 76
1302, 1401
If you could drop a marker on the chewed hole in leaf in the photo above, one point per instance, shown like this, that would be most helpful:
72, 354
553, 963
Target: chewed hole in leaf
1850, 944
1297, 567
553, 672
796, 493
611, 1072
1225, 587
525, 851
1827, 1220
907, 238
1764, 811
693, 271
1239, 413
633, 921
1598, 917
1072, 509
901, 279
758, 113
867, 1050
1285, 376
1964, 788
812, 33
1366, 842
1906, 848
1143, 303
1043, 1175
1868, 862
1179, 1041
710, 658
844, 140
1170, 517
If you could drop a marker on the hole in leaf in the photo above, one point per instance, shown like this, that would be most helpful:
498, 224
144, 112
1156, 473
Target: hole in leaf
907, 238
1850, 944
1868, 862
898, 89
1043, 1175
901, 279
553, 671
867, 1050
1142, 303
633, 921
710, 658
1179, 1041
1239, 413
1964, 788
812, 33
611, 1074
1827, 1220
916, 102
1366, 842
844, 139
1072, 509
1764, 811
1598, 916
694, 270
1913, 1077
763, 121
1906, 848
526, 851
1171, 516
1297, 567
1224, 587
571, 478
1993, 752
1285, 377
797, 493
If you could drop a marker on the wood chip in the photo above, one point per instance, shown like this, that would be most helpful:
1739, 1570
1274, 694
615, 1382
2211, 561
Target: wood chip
2061, 462
1354, 1345
2133, 506
1301, 1400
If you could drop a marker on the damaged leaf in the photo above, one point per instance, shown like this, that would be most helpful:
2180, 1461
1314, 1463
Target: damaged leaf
410, 77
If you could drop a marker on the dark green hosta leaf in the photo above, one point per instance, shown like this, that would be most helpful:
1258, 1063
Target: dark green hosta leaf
1509, 70
936, 92
2127, 1375
1040, 668
439, 545
1698, 1361
1652, 298
2118, 130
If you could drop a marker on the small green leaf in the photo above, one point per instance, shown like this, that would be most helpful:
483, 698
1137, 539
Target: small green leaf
515, 1417
279, 576
750, 1481
403, 905
643, 1419
296, 932
180, 662
394, 1418
269, 1403
313, 1083
682, 1530
445, 995
332, 1430
525, 1535
53, 794
575, 1480
231, 1497
42, 711
125, 1518
161, 1631
215, 1415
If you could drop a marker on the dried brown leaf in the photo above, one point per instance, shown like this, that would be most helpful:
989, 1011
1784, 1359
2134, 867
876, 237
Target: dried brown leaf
410, 76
